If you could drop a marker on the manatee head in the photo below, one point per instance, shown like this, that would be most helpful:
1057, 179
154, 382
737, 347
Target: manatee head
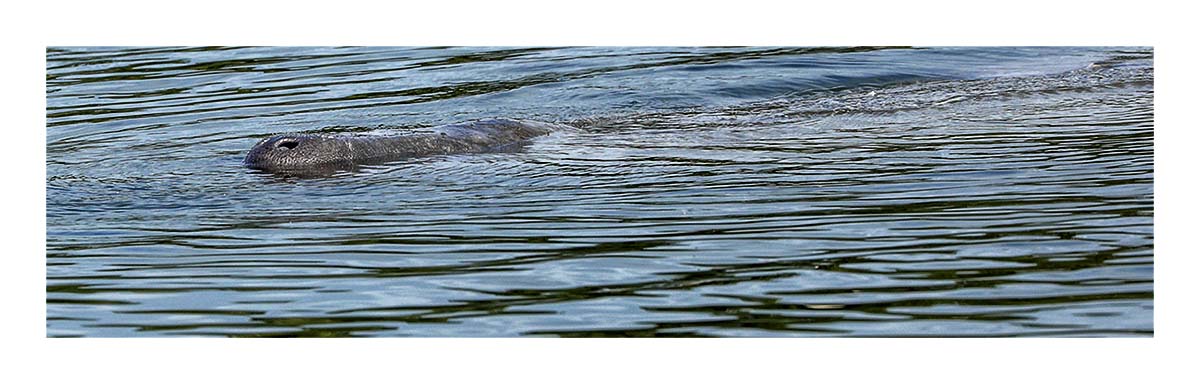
299, 153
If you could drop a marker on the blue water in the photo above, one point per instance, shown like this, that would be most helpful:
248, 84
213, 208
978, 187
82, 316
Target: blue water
762, 191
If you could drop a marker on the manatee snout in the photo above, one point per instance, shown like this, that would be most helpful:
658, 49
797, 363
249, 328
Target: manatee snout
297, 152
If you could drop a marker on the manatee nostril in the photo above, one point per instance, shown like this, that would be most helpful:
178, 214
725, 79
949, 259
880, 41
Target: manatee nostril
287, 144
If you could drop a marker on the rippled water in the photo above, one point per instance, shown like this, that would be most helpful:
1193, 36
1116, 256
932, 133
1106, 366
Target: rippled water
714, 192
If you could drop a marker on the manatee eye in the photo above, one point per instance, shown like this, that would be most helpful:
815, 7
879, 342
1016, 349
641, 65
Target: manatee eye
286, 143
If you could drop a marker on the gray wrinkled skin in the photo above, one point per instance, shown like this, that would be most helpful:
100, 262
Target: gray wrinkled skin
317, 154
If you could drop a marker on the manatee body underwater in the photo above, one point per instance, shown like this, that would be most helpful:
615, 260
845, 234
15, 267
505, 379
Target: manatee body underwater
323, 154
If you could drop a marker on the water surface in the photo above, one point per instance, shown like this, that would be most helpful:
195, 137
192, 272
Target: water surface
759, 191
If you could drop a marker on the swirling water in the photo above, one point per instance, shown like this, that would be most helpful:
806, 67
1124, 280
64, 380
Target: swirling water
758, 191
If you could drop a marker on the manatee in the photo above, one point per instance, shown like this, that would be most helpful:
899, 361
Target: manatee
317, 154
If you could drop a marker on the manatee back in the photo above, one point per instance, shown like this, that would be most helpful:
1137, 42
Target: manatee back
499, 132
